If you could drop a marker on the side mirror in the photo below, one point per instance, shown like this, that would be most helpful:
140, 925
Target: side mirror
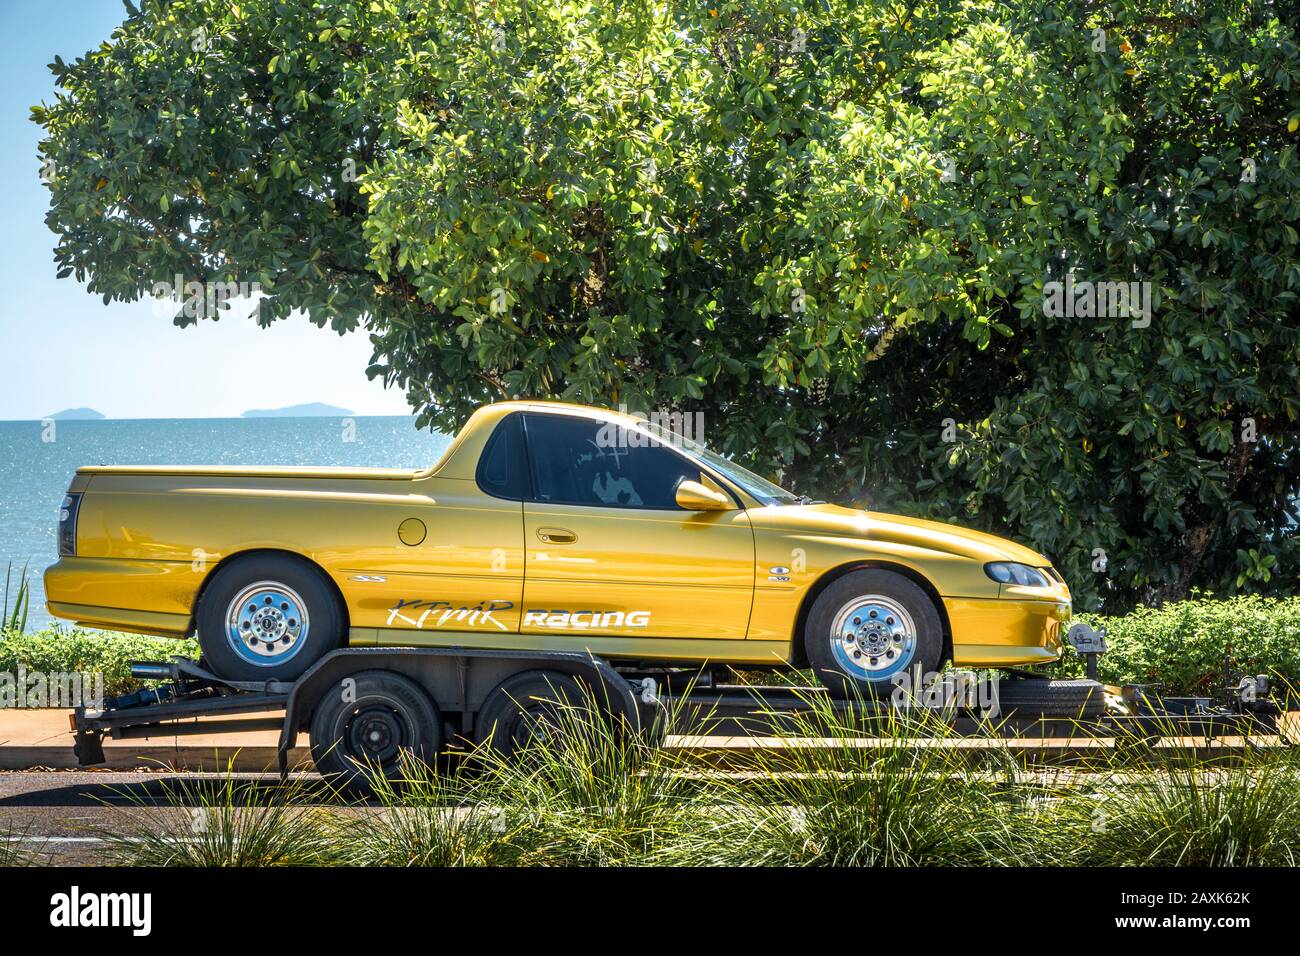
693, 496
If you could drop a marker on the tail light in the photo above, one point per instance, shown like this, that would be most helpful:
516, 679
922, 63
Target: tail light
68, 525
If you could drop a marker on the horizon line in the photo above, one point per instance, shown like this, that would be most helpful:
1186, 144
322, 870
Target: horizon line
193, 418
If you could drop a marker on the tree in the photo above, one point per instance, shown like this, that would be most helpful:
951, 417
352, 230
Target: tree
833, 227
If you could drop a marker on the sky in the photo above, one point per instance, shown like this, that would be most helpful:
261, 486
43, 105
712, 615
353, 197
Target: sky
61, 347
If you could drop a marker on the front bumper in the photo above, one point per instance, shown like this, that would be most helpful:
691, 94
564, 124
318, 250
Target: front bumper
1003, 632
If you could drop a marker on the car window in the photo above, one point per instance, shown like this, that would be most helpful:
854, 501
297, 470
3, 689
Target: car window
503, 468
757, 486
584, 462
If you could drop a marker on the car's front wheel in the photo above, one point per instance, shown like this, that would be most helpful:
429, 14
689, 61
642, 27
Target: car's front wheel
868, 627
267, 617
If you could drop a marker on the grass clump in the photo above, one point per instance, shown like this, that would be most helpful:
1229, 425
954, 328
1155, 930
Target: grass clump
894, 794
225, 822
1197, 813
14, 619
587, 791
12, 851
430, 819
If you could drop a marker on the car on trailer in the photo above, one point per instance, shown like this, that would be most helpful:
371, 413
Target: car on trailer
556, 554
545, 527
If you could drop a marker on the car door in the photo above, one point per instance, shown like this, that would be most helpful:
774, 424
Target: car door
608, 551
450, 556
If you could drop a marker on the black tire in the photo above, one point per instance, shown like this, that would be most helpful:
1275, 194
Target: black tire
895, 592
523, 706
363, 723
1039, 697
321, 630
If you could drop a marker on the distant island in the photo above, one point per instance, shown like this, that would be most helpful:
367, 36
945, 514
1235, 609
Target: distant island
76, 414
299, 411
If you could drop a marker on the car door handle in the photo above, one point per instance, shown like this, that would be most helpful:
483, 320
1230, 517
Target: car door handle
557, 535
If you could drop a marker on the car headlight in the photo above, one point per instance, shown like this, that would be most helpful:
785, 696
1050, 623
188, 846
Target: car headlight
1008, 572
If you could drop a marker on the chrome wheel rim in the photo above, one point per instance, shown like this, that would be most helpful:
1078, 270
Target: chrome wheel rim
267, 623
873, 637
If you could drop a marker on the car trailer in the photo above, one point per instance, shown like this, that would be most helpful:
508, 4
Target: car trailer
367, 703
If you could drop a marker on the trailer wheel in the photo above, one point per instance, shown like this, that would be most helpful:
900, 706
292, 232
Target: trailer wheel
527, 706
267, 617
869, 626
364, 723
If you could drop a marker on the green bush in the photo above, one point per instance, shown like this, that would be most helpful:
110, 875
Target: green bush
1181, 645
65, 650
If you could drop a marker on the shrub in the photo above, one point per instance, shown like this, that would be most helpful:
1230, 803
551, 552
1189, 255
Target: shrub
60, 650
1181, 645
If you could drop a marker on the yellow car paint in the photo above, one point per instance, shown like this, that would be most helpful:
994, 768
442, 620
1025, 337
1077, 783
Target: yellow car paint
723, 585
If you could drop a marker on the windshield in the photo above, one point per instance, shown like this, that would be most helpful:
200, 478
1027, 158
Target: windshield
754, 485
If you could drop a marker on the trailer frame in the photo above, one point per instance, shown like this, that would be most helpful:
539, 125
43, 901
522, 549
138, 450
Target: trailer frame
460, 680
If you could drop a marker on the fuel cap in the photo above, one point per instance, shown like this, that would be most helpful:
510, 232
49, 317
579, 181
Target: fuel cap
411, 531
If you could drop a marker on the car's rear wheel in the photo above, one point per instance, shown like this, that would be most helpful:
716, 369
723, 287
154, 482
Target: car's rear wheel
267, 617
867, 628
363, 726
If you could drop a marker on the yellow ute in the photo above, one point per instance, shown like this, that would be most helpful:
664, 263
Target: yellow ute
544, 527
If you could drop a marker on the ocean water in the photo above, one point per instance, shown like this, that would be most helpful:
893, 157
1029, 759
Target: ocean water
37, 464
